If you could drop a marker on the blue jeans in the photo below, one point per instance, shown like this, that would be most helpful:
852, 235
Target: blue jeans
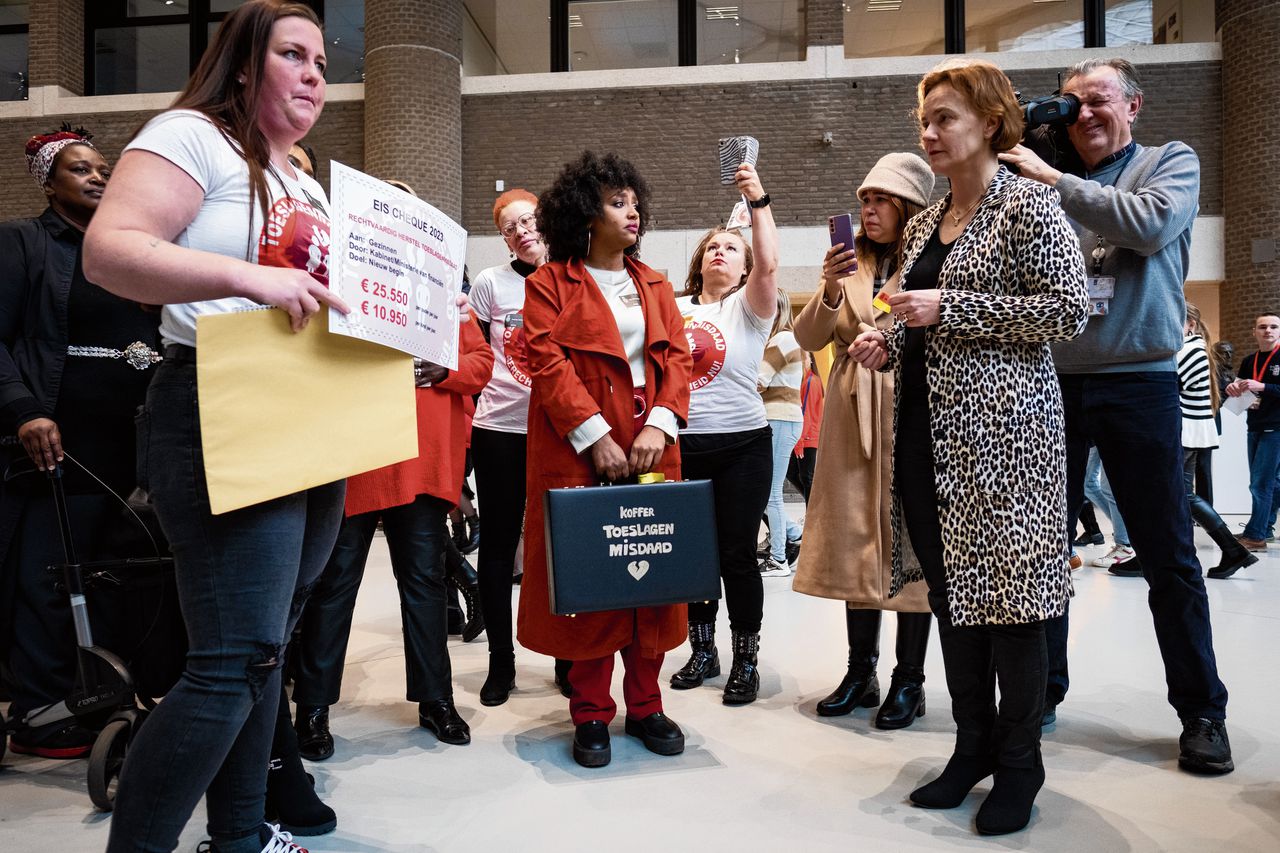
1135, 421
1098, 490
242, 579
1264, 483
781, 528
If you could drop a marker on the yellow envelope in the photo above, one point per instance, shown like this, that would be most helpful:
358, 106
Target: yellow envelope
282, 411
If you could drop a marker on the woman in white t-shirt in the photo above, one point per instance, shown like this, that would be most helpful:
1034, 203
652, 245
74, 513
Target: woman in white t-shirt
730, 301
781, 371
500, 426
206, 215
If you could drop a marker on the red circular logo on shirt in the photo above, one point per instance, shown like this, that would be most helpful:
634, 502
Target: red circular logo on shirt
515, 351
707, 345
296, 235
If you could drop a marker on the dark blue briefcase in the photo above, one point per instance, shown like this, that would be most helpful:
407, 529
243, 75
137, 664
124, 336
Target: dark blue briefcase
618, 547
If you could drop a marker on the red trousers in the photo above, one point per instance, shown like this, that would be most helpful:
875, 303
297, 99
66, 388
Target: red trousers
589, 680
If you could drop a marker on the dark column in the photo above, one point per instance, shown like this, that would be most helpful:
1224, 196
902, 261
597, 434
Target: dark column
824, 22
413, 97
55, 44
1250, 31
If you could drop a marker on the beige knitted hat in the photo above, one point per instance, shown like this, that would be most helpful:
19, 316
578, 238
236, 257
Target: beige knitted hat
904, 175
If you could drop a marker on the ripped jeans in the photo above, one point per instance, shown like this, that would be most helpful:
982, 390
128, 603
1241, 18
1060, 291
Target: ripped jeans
242, 579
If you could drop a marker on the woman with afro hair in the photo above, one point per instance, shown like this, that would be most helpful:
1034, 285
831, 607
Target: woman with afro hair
610, 369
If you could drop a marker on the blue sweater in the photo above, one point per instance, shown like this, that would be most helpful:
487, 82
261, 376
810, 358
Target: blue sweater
1144, 210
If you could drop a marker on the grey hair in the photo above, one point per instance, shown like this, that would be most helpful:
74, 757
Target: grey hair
1128, 74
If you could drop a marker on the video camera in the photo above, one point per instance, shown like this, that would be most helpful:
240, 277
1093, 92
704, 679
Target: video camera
1046, 132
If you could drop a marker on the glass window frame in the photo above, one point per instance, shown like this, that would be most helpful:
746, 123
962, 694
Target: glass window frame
113, 14
21, 30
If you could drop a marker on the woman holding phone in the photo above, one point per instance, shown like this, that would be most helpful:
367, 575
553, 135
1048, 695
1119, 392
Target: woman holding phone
610, 370
731, 296
990, 275
848, 535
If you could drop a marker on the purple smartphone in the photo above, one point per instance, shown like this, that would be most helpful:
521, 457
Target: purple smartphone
841, 226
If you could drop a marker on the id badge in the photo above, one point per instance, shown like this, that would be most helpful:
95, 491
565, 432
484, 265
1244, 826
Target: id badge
1098, 307
1101, 287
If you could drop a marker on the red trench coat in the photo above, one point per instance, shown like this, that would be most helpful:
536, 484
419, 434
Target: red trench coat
579, 369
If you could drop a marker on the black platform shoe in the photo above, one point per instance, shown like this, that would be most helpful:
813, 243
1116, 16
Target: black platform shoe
902, 704
743, 684
312, 727
704, 662
500, 681
441, 718
660, 734
591, 744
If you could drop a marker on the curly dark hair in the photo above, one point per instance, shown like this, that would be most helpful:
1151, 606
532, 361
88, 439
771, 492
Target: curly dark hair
567, 208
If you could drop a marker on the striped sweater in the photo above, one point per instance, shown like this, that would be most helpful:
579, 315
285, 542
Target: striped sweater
1198, 428
780, 376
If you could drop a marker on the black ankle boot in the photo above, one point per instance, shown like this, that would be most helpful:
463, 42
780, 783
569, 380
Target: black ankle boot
954, 783
902, 704
1008, 807
704, 662
743, 684
562, 677
311, 729
291, 795
1234, 555
501, 681
859, 687
462, 577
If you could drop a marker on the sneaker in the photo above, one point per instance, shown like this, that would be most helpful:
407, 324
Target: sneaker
53, 741
792, 551
1118, 554
1204, 747
1075, 562
1251, 544
280, 842
771, 568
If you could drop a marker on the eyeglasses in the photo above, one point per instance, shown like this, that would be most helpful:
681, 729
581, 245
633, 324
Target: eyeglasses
528, 222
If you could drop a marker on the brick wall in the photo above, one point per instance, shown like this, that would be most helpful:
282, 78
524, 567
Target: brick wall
1251, 78
824, 22
671, 133
56, 44
337, 136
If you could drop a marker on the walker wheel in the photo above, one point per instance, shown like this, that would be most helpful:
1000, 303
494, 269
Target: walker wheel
106, 761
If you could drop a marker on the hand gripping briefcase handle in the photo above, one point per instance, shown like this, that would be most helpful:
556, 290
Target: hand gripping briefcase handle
620, 547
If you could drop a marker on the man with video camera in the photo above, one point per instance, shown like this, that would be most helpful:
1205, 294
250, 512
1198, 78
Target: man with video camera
1133, 208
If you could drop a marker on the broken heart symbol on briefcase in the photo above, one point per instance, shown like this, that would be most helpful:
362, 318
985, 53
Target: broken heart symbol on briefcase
638, 568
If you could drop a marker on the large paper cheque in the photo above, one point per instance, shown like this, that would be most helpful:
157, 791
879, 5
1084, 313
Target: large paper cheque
397, 262
282, 411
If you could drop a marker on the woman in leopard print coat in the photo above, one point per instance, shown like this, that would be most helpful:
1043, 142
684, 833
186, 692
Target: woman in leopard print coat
991, 274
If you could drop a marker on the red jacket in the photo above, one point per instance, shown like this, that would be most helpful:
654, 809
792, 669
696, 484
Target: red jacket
811, 401
579, 369
442, 436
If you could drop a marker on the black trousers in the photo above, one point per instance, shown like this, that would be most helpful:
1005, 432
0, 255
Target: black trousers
739, 466
800, 471
976, 657
500, 483
416, 539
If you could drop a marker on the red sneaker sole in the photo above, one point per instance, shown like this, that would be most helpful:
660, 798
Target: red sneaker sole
45, 752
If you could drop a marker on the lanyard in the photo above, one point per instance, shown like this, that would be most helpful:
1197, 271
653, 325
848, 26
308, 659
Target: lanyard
1259, 372
1098, 254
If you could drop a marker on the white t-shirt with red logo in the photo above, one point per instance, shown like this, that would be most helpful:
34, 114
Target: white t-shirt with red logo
229, 222
727, 340
497, 300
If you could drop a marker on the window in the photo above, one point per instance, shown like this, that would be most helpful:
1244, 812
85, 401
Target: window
1159, 22
626, 34
750, 31
1003, 25
893, 28
517, 41
13, 50
135, 46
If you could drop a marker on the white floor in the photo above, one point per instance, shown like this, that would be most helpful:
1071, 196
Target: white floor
772, 775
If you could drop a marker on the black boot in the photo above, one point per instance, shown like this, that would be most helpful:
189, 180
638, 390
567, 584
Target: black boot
859, 687
1008, 807
954, 783
291, 795
501, 681
905, 699
704, 662
462, 577
562, 677
743, 684
311, 729
1092, 534
1234, 555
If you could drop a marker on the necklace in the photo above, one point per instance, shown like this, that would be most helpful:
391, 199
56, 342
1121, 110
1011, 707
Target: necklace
958, 217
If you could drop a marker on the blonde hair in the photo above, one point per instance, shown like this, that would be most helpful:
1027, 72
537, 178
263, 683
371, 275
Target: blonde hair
1197, 324
783, 320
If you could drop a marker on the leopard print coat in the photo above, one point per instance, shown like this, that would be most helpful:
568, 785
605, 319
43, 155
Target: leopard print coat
1013, 281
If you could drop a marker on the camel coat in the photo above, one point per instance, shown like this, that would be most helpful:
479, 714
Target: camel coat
848, 536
